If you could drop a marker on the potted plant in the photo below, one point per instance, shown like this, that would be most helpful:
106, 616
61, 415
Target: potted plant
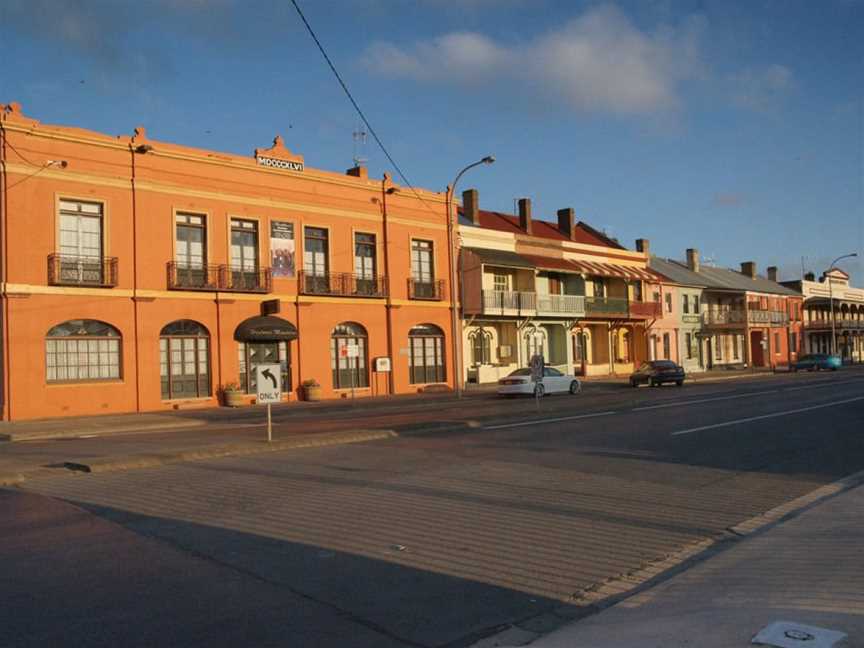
234, 397
311, 390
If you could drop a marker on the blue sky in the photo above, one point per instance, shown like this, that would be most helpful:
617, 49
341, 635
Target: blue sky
733, 127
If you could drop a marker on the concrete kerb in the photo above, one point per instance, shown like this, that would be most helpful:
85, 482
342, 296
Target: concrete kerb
98, 430
612, 591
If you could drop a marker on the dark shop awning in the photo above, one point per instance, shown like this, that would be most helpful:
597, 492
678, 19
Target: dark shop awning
265, 328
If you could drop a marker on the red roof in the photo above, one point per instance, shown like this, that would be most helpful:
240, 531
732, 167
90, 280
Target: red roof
582, 233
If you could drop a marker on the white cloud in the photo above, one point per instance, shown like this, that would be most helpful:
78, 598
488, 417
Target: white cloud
599, 61
761, 87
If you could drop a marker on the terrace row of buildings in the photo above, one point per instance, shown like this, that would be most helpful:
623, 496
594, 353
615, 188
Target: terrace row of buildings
138, 275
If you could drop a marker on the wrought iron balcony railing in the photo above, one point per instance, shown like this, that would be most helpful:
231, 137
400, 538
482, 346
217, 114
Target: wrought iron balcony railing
724, 317
648, 309
238, 279
182, 276
186, 276
98, 272
607, 306
432, 290
759, 316
342, 284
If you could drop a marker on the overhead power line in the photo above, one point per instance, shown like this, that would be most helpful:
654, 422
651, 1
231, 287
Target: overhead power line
356, 105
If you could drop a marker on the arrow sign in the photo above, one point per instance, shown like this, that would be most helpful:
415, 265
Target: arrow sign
269, 376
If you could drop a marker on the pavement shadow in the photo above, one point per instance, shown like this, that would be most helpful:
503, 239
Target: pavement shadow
403, 605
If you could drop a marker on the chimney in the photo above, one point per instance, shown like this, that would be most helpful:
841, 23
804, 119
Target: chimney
525, 214
748, 269
358, 172
809, 277
772, 272
643, 246
471, 205
693, 259
566, 221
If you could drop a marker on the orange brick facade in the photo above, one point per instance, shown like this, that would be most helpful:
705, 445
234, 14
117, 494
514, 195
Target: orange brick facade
140, 190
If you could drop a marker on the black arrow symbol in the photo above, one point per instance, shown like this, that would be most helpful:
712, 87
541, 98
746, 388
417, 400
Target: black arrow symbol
266, 373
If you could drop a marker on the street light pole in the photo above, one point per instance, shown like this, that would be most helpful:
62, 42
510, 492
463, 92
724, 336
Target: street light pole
831, 300
454, 252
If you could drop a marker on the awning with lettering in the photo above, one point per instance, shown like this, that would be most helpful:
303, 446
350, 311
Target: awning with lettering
265, 328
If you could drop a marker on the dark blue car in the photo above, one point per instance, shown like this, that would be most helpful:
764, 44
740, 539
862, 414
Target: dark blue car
817, 362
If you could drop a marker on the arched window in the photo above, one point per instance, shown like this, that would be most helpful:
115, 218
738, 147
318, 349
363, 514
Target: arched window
348, 359
481, 347
82, 350
184, 360
426, 362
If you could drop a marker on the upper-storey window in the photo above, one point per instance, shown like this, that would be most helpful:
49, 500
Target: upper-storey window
80, 229
191, 240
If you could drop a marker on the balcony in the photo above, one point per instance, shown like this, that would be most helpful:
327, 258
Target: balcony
341, 284
724, 318
426, 290
607, 307
183, 276
561, 305
254, 280
646, 310
825, 324
770, 317
97, 272
507, 302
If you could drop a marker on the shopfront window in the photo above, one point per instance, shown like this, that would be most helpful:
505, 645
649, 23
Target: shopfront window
184, 360
426, 360
348, 356
82, 351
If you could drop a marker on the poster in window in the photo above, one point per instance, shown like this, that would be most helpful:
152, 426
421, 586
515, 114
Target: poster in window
282, 249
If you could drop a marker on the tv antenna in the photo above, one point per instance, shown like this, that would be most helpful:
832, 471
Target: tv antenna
359, 136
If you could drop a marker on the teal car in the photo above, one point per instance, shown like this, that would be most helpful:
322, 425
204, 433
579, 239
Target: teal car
817, 362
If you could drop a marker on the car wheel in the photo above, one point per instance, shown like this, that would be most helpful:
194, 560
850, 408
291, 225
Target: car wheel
654, 383
575, 387
680, 383
539, 390
633, 382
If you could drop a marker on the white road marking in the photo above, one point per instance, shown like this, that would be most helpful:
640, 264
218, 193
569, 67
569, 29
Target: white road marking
768, 416
704, 400
822, 383
549, 420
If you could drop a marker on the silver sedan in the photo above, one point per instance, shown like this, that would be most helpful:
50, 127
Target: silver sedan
554, 382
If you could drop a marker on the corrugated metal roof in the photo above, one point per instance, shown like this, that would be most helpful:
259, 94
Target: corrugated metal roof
582, 232
676, 272
500, 257
717, 278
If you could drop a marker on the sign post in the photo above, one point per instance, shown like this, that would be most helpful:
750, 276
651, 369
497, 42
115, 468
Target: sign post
537, 367
268, 379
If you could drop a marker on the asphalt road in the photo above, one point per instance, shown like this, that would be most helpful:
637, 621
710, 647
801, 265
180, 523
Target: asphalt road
433, 539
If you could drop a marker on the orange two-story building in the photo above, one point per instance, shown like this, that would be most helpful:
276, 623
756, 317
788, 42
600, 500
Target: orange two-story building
141, 275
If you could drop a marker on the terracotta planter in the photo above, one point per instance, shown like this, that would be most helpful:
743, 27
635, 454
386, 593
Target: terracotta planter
235, 398
312, 392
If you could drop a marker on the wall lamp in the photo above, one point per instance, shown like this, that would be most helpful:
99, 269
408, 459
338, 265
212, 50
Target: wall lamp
61, 163
143, 148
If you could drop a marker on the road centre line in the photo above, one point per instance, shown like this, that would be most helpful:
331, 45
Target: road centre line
549, 420
823, 383
705, 400
767, 416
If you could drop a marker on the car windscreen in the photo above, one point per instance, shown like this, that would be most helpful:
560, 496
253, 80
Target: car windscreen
520, 372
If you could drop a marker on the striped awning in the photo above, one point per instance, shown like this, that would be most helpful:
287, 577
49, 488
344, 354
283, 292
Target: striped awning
629, 273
